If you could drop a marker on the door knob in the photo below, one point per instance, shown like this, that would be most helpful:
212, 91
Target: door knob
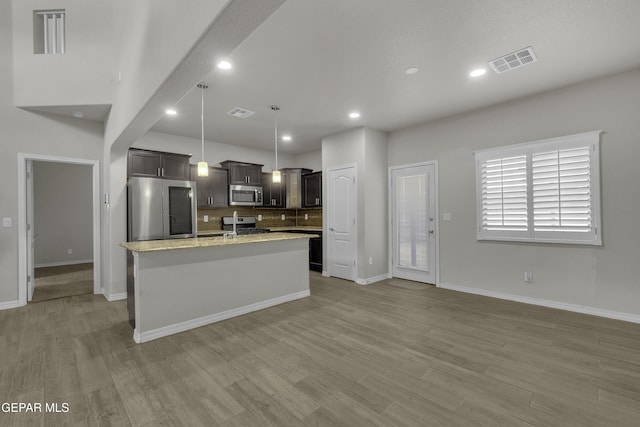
330, 228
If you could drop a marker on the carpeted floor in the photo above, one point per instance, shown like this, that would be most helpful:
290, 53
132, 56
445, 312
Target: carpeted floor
63, 281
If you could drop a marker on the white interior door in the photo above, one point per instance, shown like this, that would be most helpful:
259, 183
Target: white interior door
31, 235
414, 223
341, 223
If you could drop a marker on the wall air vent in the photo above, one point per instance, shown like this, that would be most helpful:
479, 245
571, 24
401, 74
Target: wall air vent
48, 31
513, 60
240, 113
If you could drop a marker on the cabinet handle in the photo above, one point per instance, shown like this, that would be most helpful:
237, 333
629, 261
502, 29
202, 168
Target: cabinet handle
162, 172
158, 172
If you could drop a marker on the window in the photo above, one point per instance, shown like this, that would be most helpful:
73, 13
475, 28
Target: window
544, 191
48, 31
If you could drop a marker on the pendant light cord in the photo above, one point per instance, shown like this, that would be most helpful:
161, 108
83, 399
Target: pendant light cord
276, 137
202, 120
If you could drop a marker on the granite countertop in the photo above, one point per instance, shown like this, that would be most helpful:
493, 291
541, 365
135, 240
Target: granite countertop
205, 242
297, 228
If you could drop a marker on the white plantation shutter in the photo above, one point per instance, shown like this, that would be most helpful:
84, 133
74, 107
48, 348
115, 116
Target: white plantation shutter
504, 194
543, 191
562, 190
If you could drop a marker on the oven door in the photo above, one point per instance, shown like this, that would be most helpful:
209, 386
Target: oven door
245, 195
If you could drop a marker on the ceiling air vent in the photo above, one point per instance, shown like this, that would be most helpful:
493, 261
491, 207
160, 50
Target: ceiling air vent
240, 113
513, 60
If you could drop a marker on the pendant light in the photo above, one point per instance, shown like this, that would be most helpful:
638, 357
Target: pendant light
203, 166
276, 177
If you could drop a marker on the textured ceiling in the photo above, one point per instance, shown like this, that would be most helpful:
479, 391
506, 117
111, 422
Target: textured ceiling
318, 60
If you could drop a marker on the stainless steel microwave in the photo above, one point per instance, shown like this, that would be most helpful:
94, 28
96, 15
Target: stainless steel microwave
245, 195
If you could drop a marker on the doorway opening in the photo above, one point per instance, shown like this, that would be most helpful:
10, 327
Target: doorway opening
413, 214
58, 226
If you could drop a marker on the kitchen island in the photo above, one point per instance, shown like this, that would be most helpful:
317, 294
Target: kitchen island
180, 284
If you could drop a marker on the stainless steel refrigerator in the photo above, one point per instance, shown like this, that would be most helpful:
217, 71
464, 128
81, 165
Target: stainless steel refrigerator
160, 209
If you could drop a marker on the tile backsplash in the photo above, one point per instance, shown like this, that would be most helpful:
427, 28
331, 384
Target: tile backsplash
270, 217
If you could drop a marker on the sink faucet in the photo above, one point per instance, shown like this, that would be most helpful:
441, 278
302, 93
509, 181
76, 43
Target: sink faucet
235, 223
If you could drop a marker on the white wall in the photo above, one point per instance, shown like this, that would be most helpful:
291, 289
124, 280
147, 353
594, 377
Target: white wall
84, 74
312, 160
375, 188
153, 37
366, 148
63, 213
599, 277
26, 132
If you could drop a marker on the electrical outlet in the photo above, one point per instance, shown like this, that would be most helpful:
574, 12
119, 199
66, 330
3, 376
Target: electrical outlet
446, 216
283, 217
69, 251
259, 217
205, 218
370, 260
7, 222
528, 276
306, 217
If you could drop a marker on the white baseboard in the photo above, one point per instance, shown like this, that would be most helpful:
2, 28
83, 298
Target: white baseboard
9, 304
114, 297
202, 321
57, 264
610, 314
373, 279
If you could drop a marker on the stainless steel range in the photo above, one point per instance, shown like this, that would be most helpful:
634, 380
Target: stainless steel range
244, 225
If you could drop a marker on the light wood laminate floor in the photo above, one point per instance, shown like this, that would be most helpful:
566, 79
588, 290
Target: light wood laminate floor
62, 281
349, 355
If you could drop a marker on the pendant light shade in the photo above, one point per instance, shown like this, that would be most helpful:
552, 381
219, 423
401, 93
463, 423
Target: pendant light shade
276, 176
203, 166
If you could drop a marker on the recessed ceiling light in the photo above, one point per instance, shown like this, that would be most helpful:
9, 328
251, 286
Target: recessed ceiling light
354, 115
411, 70
171, 112
224, 65
77, 114
478, 72
286, 137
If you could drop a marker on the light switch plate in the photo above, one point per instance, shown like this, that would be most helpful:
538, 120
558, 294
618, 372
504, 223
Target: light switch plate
446, 216
7, 222
259, 217
306, 216
283, 217
205, 218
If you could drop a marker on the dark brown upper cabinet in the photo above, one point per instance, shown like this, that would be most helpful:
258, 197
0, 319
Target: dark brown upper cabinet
272, 192
312, 190
243, 173
158, 164
212, 190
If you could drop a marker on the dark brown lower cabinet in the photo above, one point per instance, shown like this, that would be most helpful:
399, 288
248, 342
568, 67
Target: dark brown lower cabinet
131, 301
315, 252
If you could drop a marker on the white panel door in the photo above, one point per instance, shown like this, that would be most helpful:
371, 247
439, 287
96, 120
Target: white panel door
341, 223
413, 223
